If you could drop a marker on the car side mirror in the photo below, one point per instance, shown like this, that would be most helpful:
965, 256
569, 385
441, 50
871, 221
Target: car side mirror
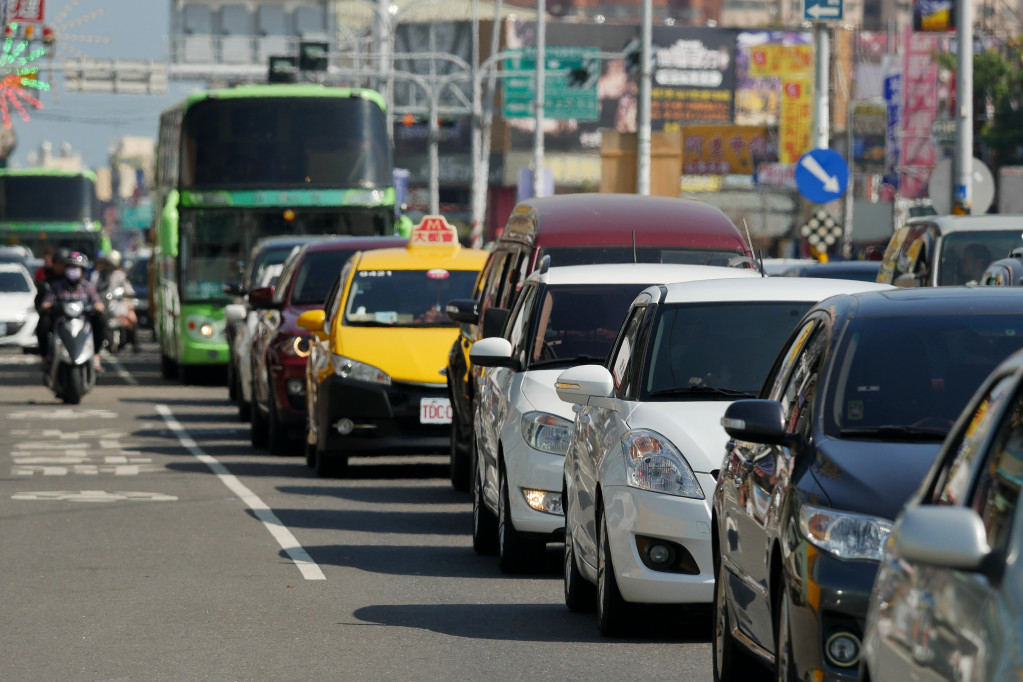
262, 297
493, 321
462, 311
907, 280
756, 421
312, 320
234, 312
946, 536
493, 352
586, 385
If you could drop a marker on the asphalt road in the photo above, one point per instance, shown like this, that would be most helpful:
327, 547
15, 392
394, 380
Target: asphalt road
143, 538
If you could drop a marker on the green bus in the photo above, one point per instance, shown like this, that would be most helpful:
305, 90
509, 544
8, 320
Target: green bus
44, 207
239, 164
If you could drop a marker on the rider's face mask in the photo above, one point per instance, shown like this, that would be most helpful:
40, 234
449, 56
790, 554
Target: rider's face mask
73, 274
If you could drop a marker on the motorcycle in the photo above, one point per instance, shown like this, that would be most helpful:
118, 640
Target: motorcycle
121, 320
71, 374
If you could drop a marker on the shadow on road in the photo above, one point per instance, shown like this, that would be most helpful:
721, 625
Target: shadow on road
537, 622
410, 522
384, 494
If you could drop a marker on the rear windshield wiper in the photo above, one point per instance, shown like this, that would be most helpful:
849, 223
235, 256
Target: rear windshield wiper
896, 431
703, 391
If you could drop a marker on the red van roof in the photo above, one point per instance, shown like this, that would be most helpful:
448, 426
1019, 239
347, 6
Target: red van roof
612, 219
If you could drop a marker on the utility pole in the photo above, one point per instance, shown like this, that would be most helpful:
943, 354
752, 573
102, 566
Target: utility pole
541, 59
643, 133
962, 192
821, 122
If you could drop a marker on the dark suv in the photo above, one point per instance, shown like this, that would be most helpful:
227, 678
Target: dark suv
577, 229
847, 424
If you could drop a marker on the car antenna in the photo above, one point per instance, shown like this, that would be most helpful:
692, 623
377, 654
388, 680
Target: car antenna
749, 239
635, 259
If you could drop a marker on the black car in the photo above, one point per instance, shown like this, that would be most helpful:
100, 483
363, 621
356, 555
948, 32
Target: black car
846, 426
861, 270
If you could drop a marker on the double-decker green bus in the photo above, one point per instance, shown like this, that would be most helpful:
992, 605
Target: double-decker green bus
253, 161
44, 207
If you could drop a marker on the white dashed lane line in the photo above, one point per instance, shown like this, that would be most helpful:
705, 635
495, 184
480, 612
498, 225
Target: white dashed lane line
310, 570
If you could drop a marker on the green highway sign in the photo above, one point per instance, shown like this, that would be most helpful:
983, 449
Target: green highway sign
570, 83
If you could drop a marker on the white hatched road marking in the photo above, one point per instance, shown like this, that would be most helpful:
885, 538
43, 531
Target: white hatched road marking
309, 568
93, 496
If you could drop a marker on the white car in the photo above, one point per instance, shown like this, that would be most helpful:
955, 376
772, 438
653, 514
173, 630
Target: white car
563, 316
647, 443
18, 316
246, 319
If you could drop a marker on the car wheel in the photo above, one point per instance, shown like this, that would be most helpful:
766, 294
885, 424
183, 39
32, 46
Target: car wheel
232, 383
244, 409
484, 523
461, 465
331, 466
785, 666
612, 610
516, 554
278, 441
258, 429
168, 368
729, 662
580, 594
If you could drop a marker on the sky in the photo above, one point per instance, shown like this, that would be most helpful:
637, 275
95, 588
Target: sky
92, 122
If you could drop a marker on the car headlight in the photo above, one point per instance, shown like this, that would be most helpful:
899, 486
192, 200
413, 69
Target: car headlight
546, 432
847, 536
346, 368
294, 346
653, 463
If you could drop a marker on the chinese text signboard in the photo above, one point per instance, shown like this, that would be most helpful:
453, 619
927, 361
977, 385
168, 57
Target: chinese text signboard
25, 11
693, 76
919, 109
796, 117
725, 149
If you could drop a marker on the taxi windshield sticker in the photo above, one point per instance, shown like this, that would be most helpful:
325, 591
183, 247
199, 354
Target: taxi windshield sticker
438, 273
434, 230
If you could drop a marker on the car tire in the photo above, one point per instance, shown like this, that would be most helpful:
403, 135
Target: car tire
613, 612
258, 428
484, 523
244, 410
729, 662
310, 453
278, 441
332, 466
233, 393
168, 368
516, 554
785, 667
461, 455
580, 593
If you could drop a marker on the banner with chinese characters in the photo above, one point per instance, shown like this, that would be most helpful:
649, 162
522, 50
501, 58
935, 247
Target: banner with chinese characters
780, 60
725, 149
693, 76
919, 109
26, 11
760, 60
796, 117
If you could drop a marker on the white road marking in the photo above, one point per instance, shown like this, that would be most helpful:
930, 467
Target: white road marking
122, 372
93, 496
61, 414
310, 570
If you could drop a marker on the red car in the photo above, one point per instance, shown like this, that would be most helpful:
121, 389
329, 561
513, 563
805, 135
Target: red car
280, 347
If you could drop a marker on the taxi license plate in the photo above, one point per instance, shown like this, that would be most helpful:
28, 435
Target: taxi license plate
434, 411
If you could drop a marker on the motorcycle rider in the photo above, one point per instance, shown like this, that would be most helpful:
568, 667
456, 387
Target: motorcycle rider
110, 277
52, 270
73, 286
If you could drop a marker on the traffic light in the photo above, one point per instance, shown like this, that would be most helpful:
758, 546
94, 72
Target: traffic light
633, 53
585, 76
312, 55
282, 69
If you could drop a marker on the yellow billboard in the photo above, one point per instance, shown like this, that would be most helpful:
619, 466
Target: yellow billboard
724, 149
796, 118
780, 60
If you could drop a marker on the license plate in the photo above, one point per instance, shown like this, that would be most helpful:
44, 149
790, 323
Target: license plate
434, 411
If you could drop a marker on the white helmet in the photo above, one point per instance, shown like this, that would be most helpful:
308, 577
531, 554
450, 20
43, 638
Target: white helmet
114, 258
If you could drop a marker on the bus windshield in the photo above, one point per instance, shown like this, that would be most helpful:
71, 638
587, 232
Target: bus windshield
214, 243
285, 142
49, 198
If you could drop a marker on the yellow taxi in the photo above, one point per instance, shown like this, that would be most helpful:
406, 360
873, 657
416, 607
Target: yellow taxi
376, 378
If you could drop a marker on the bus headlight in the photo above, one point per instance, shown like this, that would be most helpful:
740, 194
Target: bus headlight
203, 328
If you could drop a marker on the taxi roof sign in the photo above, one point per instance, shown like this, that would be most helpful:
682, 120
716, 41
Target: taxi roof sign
433, 230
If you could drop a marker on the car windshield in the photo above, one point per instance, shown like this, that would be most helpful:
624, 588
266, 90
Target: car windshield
911, 376
14, 283
317, 273
587, 255
712, 351
570, 328
965, 255
405, 298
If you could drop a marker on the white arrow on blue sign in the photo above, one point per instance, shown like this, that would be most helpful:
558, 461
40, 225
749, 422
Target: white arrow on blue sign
822, 10
822, 175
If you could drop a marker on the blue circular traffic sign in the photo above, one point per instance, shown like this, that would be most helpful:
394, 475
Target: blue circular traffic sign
822, 175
